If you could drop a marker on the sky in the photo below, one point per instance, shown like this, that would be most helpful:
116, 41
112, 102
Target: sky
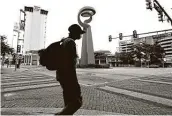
112, 17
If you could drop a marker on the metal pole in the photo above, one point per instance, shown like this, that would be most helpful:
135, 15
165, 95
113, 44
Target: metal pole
16, 58
169, 18
146, 33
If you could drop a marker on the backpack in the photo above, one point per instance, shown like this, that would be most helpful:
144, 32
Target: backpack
51, 57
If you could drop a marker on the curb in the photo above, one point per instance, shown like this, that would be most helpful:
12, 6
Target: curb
151, 98
50, 111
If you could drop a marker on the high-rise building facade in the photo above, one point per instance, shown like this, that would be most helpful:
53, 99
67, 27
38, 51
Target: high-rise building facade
166, 43
125, 45
164, 39
35, 28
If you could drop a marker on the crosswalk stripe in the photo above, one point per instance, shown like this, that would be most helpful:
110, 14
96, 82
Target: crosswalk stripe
29, 87
161, 82
26, 82
7, 80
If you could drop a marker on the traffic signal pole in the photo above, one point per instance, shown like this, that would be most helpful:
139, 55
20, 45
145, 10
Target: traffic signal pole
169, 18
145, 33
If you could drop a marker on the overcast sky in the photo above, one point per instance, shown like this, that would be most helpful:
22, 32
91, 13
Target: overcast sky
112, 17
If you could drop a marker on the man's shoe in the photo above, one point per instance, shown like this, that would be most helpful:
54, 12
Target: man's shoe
71, 108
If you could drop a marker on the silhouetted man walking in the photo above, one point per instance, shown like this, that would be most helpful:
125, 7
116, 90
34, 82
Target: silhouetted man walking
66, 75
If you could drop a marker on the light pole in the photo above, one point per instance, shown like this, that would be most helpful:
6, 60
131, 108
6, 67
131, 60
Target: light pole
19, 25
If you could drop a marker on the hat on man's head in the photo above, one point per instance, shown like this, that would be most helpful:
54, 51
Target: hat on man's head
75, 28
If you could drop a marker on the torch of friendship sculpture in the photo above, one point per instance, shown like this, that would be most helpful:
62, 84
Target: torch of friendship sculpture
87, 53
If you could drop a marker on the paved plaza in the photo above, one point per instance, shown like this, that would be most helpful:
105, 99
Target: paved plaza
33, 90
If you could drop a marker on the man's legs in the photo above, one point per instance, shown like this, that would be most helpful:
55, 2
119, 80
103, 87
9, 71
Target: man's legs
71, 94
71, 107
72, 104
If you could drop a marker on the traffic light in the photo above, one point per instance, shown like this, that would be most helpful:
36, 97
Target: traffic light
120, 36
160, 16
148, 4
157, 8
18, 48
110, 38
160, 13
135, 34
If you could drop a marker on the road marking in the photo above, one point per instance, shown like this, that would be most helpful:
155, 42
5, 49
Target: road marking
8, 94
23, 79
160, 82
21, 76
28, 87
160, 100
23, 82
87, 83
84, 84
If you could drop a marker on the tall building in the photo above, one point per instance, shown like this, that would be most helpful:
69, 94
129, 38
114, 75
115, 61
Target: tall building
34, 33
35, 28
166, 43
126, 45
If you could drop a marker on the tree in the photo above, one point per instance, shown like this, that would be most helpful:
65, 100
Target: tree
126, 58
5, 48
157, 54
149, 53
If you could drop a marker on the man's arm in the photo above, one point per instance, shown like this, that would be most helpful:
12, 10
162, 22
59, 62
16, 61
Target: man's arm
72, 55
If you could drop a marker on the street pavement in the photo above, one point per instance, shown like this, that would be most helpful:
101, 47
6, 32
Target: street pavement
33, 90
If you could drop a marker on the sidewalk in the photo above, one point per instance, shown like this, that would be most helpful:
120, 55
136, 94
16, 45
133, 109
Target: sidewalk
5, 70
49, 100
